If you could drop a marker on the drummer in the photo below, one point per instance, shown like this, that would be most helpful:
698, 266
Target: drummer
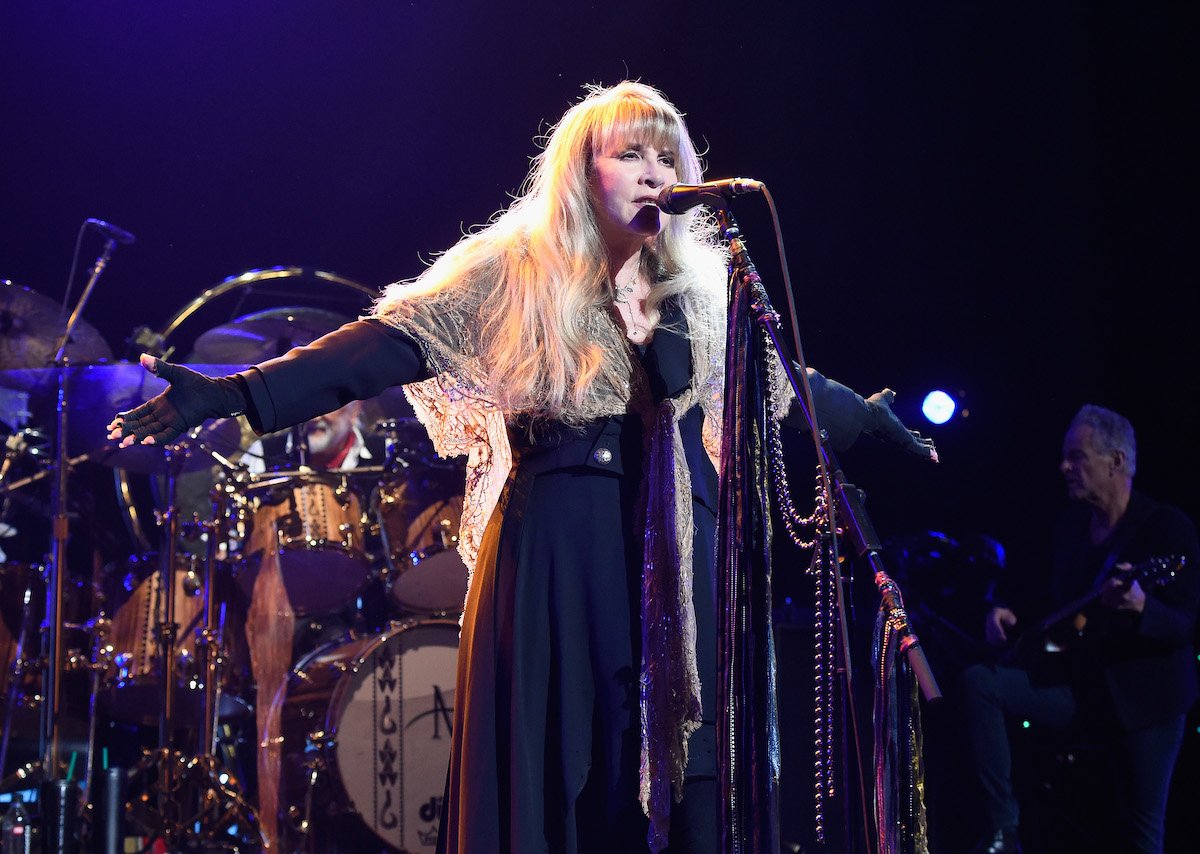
332, 442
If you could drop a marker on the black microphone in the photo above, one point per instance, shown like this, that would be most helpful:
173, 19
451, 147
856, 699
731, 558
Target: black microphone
111, 231
680, 198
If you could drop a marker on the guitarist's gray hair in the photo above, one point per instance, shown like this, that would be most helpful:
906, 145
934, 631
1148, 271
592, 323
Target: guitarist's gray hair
1111, 431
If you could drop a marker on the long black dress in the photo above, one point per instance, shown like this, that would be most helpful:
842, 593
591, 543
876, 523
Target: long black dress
547, 719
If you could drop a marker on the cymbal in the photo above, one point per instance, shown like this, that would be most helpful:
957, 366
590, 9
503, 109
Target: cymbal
265, 334
30, 326
95, 393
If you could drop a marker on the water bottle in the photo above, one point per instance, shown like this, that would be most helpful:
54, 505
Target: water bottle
16, 831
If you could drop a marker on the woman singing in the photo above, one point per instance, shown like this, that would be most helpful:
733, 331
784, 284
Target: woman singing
555, 347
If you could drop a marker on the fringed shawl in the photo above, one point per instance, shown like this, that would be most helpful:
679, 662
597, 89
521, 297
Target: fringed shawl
748, 731
462, 419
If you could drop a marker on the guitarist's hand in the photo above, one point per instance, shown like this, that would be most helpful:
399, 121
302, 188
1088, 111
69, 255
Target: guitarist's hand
996, 625
1122, 595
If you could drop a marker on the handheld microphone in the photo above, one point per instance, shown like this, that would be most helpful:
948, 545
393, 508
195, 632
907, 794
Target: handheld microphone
680, 198
111, 231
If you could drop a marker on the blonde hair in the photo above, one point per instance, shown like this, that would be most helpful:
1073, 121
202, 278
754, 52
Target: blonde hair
526, 298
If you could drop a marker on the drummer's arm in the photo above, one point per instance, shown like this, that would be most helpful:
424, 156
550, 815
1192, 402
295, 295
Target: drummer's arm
357, 361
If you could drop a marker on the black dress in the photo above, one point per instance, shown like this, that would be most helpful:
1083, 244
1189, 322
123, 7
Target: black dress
547, 717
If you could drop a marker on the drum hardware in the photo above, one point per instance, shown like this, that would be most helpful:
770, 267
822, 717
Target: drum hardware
207, 811
301, 819
192, 801
97, 664
406, 441
131, 689
17, 445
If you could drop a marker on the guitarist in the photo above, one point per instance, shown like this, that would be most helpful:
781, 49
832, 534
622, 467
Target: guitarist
1133, 672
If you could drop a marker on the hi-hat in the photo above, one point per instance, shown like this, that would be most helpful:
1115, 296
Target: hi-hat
30, 326
265, 334
95, 393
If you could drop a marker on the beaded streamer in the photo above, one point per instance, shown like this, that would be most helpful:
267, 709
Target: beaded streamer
825, 606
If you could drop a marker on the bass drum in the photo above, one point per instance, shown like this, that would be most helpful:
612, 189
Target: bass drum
366, 740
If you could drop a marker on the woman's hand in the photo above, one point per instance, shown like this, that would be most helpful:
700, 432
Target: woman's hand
883, 424
189, 401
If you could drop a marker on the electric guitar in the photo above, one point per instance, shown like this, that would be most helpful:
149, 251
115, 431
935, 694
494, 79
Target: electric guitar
1049, 635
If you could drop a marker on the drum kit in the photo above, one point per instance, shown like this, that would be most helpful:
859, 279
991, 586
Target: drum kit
251, 600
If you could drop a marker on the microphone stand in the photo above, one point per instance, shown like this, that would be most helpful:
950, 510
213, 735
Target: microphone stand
49, 736
299, 439
841, 496
60, 822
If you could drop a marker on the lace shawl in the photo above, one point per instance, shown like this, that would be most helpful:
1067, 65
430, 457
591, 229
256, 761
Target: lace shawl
463, 419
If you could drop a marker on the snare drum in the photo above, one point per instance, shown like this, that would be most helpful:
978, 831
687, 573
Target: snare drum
315, 521
419, 529
371, 718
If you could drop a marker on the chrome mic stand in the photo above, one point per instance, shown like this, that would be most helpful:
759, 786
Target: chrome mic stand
62, 820
748, 806
59, 534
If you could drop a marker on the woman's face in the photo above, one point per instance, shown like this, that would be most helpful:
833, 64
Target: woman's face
625, 182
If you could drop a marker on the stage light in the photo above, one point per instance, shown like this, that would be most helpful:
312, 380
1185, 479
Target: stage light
938, 407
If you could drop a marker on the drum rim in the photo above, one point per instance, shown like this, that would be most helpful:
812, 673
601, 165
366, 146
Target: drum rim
336, 696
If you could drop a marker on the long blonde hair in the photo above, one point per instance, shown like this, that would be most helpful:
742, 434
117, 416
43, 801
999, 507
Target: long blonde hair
536, 277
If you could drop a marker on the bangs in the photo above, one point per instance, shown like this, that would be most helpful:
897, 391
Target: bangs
628, 120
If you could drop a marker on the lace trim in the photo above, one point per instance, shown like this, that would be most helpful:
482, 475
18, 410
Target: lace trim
462, 423
463, 419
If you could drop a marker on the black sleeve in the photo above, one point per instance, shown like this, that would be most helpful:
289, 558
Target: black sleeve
358, 361
1170, 612
841, 411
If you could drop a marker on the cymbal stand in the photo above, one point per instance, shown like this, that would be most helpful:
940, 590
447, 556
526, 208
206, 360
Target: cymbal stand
99, 664
210, 642
168, 629
195, 792
55, 610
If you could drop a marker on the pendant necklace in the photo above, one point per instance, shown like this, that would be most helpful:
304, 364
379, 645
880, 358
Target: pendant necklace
621, 296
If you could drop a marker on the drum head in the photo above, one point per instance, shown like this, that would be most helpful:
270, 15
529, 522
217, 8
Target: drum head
387, 726
420, 533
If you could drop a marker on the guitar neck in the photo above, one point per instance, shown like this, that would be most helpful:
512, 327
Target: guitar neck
1159, 569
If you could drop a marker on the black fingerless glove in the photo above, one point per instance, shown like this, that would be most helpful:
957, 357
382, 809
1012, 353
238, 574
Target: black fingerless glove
189, 401
845, 415
884, 425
